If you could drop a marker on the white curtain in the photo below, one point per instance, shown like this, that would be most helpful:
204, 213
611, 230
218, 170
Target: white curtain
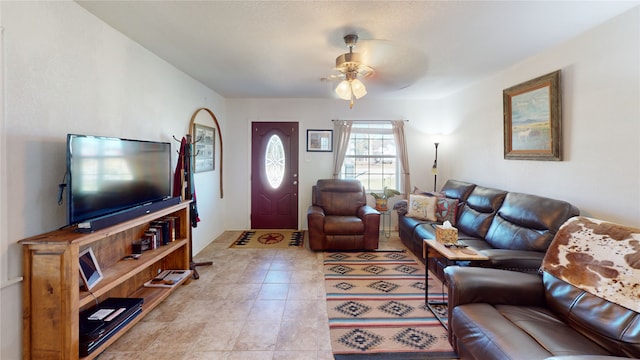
342, 132
403, 155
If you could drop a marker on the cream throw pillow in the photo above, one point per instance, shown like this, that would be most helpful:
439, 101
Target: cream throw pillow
422, 207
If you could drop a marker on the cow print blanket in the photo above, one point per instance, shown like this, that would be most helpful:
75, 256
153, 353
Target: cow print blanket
598, 257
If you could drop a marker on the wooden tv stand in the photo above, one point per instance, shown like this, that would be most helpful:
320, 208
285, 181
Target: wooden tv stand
52, 298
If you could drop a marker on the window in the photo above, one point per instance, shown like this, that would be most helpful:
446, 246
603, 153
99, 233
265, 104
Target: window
274, 161
371, 157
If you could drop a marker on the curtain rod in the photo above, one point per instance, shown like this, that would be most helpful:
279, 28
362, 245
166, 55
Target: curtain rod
405, 120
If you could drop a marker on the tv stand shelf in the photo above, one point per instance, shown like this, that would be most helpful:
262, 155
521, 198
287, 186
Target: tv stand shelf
123, 270
52, 298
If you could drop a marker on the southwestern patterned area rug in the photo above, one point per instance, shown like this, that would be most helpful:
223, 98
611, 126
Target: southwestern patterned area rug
375, 302
272, 239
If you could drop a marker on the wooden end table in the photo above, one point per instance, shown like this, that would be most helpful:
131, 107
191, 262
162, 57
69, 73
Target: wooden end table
433, 248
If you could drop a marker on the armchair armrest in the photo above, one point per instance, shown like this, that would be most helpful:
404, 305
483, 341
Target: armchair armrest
493, 286
371, 219
367, 210
315, 211
315, 223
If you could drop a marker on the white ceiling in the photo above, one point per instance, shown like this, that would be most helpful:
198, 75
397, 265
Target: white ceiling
281, 49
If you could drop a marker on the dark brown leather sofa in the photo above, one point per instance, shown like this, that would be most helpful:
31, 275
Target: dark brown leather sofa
512, 229
339, 217
502, 314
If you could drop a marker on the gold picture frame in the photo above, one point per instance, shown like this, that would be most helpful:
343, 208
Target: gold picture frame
533, 119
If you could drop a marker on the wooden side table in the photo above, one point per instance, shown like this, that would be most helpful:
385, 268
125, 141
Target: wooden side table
433, 248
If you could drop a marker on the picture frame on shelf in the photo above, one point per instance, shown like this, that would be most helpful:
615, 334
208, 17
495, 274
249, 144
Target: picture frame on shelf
533, 119
90, 272
319, 140
204, 148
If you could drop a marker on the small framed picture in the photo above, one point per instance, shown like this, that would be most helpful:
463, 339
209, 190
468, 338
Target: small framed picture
204, 148
320, 140
90, 272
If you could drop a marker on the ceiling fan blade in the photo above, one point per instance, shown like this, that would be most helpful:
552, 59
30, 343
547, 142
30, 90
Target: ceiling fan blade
333, 77
396, 66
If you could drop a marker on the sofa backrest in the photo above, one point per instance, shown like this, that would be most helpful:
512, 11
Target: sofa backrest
528, 222
339, 196
455, 189
611, 326
476, 214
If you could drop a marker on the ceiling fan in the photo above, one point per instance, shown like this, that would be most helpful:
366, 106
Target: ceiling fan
351, 68
388, 65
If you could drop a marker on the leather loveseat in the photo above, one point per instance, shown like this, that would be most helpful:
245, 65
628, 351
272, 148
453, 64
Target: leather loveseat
339, 217
583, 305
512, 229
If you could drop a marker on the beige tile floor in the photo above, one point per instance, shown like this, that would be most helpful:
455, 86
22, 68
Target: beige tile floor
251, 304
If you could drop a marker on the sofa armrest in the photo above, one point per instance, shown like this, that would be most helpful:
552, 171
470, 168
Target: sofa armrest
401, 207
468, 285
493, 286
528, 260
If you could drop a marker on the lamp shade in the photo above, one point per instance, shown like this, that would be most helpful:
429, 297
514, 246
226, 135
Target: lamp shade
351, 89
358, 89
344, 90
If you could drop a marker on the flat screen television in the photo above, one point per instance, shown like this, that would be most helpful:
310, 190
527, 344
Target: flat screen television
108, 175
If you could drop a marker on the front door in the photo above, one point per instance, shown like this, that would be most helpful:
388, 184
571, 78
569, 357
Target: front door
274, 175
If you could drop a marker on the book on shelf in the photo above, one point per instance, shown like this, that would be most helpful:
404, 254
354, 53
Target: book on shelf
168, 278
162, 232
174, 226
154, 234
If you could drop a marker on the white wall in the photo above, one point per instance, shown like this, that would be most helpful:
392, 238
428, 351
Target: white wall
600, 85
601, 123
317, 114
65, 71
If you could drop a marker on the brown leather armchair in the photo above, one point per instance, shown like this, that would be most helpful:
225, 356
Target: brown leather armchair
339, 217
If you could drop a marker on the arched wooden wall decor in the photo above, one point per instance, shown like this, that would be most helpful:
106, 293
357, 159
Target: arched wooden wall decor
193, 118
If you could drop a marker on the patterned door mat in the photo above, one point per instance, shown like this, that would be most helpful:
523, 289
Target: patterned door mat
376, 307
269, 238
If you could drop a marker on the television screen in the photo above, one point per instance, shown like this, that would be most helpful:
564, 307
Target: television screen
107, 175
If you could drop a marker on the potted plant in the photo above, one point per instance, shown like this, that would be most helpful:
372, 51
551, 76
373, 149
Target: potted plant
381, 198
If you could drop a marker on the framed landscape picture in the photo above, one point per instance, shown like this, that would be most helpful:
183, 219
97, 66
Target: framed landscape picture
320, 140
532, 119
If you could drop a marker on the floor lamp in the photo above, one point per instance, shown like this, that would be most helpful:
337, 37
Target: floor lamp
434, 169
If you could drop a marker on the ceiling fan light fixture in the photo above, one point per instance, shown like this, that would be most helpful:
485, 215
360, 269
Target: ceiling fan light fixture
344, 90
350, 90
358, 89
350, 64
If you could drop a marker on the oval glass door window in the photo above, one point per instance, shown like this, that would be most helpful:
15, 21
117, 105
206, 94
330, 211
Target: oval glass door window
274, 161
